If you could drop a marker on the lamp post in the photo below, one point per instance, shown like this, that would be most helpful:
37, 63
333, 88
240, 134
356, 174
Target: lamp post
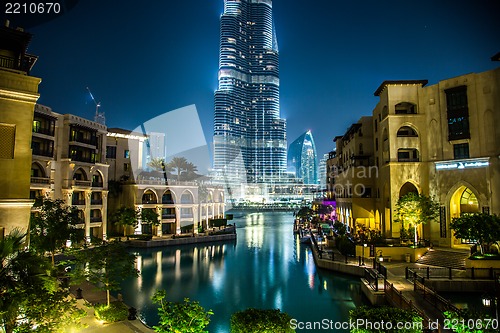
364, 247
487, 302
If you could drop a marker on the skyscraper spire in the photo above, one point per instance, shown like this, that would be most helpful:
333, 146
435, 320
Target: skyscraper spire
247, 121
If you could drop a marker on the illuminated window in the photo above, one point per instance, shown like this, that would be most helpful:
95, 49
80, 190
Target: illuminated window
458, 113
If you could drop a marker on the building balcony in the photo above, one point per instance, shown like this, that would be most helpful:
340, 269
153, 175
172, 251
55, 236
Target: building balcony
96, 202
40, 180
43, 152
74, 182
97, 184
24, 64
78, 202
95, 219
167, 216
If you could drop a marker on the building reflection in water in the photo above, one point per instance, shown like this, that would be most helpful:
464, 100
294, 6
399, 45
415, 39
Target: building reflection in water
266, 267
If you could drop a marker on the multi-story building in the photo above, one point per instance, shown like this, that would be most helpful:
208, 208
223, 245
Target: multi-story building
68, 163
354, 172
249, 135
441, 140
302, 158
181, 206
18, 95
323, 171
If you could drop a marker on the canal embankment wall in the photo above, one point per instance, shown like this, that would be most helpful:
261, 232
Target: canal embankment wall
182, 241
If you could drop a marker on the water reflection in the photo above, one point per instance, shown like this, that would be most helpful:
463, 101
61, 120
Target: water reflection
266, 268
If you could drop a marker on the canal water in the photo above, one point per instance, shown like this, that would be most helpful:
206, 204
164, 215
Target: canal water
266, 267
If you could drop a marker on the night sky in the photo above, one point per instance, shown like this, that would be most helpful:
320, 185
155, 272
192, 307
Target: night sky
144, 58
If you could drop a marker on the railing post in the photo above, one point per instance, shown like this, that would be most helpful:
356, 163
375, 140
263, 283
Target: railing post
449, 273
406, 272
359, 260
428, 272
491, 273
376, 283
472, 275
346, 258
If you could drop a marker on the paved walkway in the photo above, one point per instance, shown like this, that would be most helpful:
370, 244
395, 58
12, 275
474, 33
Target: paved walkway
92, 295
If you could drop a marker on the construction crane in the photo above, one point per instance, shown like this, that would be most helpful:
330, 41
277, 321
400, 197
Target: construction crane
99, 116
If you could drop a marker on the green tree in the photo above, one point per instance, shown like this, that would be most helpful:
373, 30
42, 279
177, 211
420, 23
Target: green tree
104, 266
149, 215
414, 209
261, 321
385, 314
125, 217
480, 227
52, 224
180, 317
31, 299
305, 213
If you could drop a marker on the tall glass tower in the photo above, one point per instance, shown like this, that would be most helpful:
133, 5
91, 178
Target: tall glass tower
249, 135
302, 158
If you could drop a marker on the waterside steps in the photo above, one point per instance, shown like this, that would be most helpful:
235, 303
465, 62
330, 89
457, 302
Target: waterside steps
444, 258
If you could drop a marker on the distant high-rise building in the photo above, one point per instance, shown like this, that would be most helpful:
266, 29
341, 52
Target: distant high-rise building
322, 173
302, 158
249, 135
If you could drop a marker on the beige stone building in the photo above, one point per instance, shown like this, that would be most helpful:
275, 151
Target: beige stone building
69, 163
181, 206
18, 95
354, 171
441, 140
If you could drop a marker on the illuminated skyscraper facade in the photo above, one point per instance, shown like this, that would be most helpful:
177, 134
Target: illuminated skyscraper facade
302, 158
249, 135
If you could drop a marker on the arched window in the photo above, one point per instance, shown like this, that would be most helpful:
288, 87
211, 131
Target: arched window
80, 175
187, 198
167, 198
407, 131
149, 197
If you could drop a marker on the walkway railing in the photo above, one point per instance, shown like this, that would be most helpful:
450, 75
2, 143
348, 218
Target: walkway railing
449, 273
439, 302
374, 279
397, 299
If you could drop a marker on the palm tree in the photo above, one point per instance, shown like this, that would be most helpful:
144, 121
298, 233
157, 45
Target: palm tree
157, 163
178, 164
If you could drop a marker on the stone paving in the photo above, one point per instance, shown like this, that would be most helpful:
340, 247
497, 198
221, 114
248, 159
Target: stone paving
93, 296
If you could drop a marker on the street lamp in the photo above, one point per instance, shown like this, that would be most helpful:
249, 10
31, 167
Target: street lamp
487, 302
364, 247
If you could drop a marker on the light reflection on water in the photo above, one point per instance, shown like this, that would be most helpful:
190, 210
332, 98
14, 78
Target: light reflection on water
266, 267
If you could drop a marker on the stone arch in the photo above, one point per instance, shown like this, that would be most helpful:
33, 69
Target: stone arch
168, 197
456, 206
405, 108
80, 174
149, 197
187, 197
37, 170
407, 130
408, 187
97, 179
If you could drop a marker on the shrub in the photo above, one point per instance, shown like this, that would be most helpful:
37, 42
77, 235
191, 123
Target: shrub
386, 314
116, 311
261, 321
345, 246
